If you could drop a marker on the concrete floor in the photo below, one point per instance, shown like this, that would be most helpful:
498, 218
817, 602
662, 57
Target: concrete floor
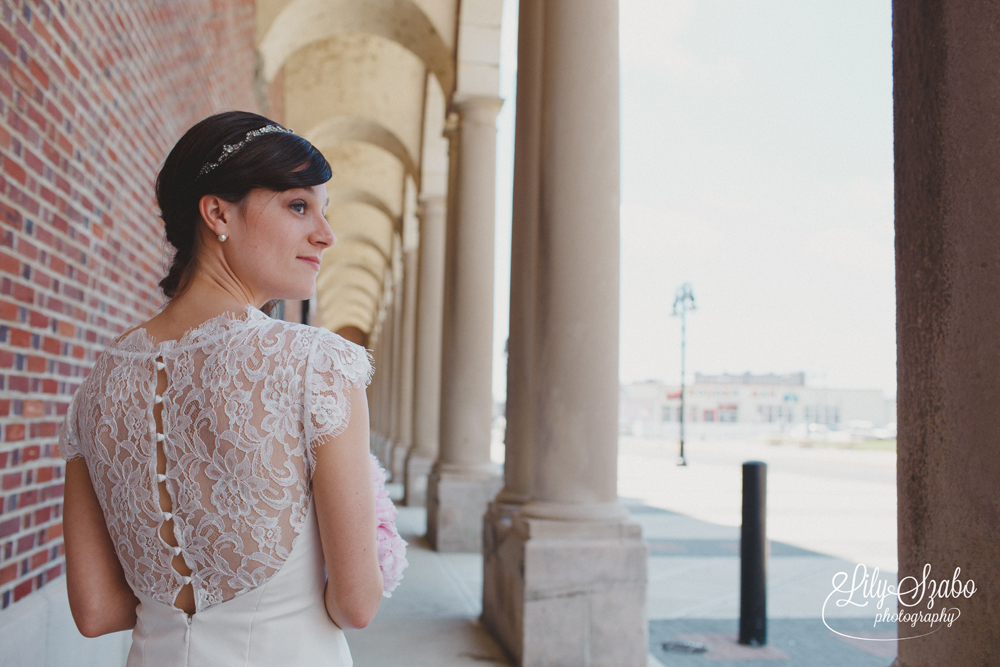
431, 618
828, 509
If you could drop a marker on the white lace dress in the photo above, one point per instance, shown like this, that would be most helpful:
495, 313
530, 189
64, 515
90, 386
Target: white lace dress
247, 399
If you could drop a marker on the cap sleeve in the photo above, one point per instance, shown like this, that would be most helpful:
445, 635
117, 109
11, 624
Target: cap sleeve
335, 367
69, 443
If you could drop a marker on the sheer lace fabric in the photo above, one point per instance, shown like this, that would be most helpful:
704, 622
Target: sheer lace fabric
247, 401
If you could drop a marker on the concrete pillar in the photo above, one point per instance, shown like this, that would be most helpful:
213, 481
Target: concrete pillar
386, 354
947, 163
568, 572
502, 613
395, 393
407, 344
521, 362
463, 480
427, 367
375, 391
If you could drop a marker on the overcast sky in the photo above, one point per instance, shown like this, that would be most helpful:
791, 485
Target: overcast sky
756, 164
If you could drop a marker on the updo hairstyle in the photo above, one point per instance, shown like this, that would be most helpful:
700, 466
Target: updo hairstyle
276, 161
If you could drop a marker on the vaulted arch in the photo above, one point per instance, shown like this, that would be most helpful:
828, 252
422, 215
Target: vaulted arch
333, 280
341, 292
347, 301
350, 267
303, 22
341, 196
348, 312
334, 131
357, 244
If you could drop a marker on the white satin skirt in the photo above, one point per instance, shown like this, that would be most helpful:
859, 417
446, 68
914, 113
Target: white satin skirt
282, 623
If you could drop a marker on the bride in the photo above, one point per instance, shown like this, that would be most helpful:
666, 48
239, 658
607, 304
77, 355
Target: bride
221, 501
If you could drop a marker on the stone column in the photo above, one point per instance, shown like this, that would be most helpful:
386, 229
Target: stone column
407, 331
395, 393
427, 370
947, 164
375, 392
521, 361
573, 570
371, 394
463, 480
521, 364
384, 435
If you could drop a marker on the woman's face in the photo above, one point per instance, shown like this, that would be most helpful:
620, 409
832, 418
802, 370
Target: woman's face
275, 245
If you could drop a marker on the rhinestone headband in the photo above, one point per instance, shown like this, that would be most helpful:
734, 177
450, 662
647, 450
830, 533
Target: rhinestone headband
230, 150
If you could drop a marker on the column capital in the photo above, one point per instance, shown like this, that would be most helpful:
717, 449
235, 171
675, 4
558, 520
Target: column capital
450, 125
479, 109
431, 204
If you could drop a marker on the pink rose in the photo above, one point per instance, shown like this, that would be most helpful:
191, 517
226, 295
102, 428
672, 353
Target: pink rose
391, 548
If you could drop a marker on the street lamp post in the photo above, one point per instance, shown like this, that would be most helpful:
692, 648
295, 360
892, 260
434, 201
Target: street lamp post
682, 298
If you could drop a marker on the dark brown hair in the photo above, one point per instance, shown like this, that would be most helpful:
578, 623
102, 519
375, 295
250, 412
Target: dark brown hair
276, 161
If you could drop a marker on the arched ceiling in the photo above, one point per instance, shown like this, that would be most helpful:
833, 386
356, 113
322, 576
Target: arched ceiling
302, 22
338, 130
362, 166
357, 222
356, 75
369, 83
359, 248
341, 196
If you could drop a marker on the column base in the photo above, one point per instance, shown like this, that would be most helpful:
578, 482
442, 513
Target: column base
456, 503
565, 592
397, 461
418, 469
381, 446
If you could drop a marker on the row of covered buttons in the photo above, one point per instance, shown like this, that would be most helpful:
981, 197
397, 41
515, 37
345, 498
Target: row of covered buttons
160, 477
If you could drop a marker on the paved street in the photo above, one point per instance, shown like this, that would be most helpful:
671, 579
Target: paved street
827, 510
840, 502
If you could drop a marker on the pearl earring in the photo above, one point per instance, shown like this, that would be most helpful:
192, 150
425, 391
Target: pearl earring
222, 238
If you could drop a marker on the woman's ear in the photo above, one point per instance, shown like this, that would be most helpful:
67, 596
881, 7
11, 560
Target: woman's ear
213, 211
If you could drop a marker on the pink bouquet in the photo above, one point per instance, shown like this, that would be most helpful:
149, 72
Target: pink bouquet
391, 547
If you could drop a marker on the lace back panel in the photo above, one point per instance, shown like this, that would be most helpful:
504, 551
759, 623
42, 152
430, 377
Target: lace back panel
244, 404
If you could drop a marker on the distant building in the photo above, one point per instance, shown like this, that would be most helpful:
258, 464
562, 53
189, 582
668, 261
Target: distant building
772, 401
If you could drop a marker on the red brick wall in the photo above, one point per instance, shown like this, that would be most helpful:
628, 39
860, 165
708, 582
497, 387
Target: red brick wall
92, 96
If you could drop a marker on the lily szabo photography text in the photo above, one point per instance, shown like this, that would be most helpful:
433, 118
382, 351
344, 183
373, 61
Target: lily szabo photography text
905, 599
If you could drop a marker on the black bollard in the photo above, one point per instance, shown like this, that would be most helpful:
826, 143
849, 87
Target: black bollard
753, 556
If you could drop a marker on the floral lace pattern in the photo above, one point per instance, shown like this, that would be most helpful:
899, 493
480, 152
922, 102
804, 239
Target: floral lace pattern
248, 400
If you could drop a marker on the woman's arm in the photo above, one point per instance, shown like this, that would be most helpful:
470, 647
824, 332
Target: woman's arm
345, 507
99, 597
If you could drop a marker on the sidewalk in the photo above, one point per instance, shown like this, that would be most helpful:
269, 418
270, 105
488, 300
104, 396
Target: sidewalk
693, 593
431, 620
693, 596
